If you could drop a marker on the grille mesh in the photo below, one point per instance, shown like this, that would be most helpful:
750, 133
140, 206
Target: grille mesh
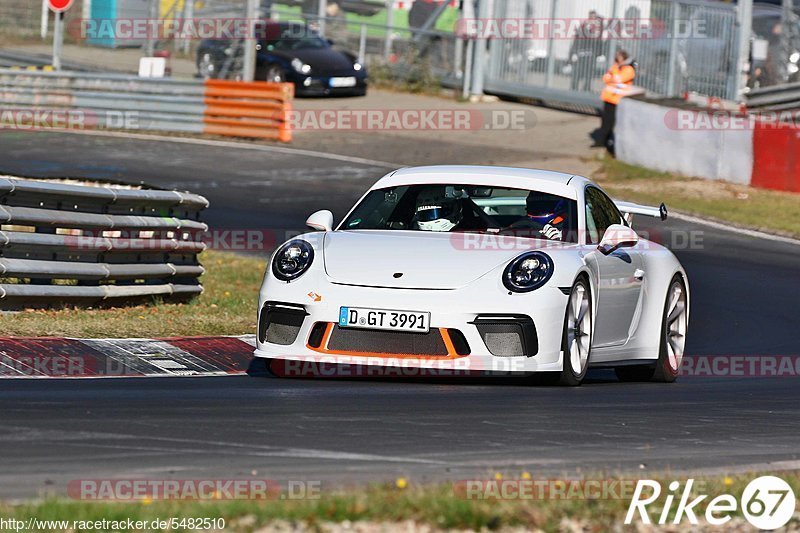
386, 342
279, 325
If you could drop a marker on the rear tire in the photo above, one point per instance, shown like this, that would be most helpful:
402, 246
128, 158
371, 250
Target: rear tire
576, 340
673, 332
674, 322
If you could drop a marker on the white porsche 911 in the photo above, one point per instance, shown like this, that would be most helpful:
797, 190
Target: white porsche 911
480, 269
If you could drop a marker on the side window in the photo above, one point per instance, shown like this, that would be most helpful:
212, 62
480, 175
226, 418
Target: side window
600, 214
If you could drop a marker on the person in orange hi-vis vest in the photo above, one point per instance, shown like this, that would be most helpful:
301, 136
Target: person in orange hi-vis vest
619, 83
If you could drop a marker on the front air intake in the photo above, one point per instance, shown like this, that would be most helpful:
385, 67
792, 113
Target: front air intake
508, 335
280, 323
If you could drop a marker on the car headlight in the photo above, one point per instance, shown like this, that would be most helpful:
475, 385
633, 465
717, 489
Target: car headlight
292, 260
357, 66
528, 272
299, 66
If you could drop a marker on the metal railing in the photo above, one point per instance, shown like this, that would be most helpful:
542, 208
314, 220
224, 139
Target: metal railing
92, 100
68, 244
775, 98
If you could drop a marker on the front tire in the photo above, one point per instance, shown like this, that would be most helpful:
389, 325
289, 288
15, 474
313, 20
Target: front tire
275, 74
576, 343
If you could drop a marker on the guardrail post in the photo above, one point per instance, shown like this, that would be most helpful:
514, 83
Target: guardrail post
58, 39
322, 13
153, 15
249, 68
362, 44
551, 60
479, 67
387, 41
675, 13
744, 20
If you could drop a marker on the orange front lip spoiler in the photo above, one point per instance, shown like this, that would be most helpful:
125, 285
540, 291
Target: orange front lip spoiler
451, 351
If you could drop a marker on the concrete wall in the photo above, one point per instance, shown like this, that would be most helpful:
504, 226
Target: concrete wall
682, 141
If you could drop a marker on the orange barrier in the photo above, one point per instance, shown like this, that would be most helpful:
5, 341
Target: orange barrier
248, 109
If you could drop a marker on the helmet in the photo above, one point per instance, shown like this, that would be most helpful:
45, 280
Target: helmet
546, 209
436, 212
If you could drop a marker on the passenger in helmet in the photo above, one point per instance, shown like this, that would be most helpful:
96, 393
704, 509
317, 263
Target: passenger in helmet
437, 212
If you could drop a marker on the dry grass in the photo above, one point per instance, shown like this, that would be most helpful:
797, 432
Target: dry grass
772, 211
411, 507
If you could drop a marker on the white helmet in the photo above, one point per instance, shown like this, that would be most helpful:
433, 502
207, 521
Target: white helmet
435, 212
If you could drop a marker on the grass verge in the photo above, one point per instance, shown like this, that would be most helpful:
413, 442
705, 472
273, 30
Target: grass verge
771, 211
442, 506
227, 307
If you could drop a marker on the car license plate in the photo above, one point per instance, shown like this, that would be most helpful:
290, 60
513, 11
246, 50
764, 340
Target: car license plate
349, 81
386, 319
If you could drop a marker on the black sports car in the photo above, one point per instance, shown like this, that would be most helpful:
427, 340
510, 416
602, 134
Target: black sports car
289, 52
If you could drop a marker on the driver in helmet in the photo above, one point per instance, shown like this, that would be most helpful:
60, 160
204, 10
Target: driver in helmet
546, 213
435, 211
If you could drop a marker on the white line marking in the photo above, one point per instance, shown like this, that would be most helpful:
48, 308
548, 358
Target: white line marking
733, 229
233, 144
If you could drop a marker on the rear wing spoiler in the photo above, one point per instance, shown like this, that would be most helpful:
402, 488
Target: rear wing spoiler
629, 209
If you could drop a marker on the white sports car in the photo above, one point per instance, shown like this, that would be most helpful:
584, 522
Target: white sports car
479, 269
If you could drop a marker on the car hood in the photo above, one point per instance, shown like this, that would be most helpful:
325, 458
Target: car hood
323, 61
426, 260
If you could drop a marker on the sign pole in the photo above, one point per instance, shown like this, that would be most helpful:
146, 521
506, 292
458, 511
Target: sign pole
45, 19
58, 40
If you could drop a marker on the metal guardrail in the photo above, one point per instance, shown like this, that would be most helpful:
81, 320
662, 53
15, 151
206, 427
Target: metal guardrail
95, 100
78, 244
776, 98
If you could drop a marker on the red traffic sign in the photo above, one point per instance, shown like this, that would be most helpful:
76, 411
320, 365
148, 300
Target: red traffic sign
59, 6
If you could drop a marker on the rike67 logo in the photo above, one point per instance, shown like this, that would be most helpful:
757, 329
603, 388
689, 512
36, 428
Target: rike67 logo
767, 502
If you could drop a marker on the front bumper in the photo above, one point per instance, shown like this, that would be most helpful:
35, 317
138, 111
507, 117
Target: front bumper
466, 311
320, 86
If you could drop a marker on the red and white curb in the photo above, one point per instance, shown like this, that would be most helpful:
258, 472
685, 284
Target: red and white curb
101, 358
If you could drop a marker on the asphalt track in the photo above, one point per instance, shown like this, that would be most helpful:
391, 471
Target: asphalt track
745, 293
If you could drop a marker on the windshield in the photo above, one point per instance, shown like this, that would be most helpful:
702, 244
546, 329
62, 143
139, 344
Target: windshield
294, 38
467, 208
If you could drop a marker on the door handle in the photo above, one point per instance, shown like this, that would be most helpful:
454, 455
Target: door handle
639, 274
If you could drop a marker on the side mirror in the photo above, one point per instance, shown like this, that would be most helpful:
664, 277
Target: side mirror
617, 236
321, 221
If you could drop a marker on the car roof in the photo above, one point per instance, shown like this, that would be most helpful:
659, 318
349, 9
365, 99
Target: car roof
547, 181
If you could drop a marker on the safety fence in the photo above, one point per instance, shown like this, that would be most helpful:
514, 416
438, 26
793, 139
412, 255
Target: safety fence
90, 100
678, 46
68, 244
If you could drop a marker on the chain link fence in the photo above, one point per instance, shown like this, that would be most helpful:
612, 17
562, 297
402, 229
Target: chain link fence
676, 46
